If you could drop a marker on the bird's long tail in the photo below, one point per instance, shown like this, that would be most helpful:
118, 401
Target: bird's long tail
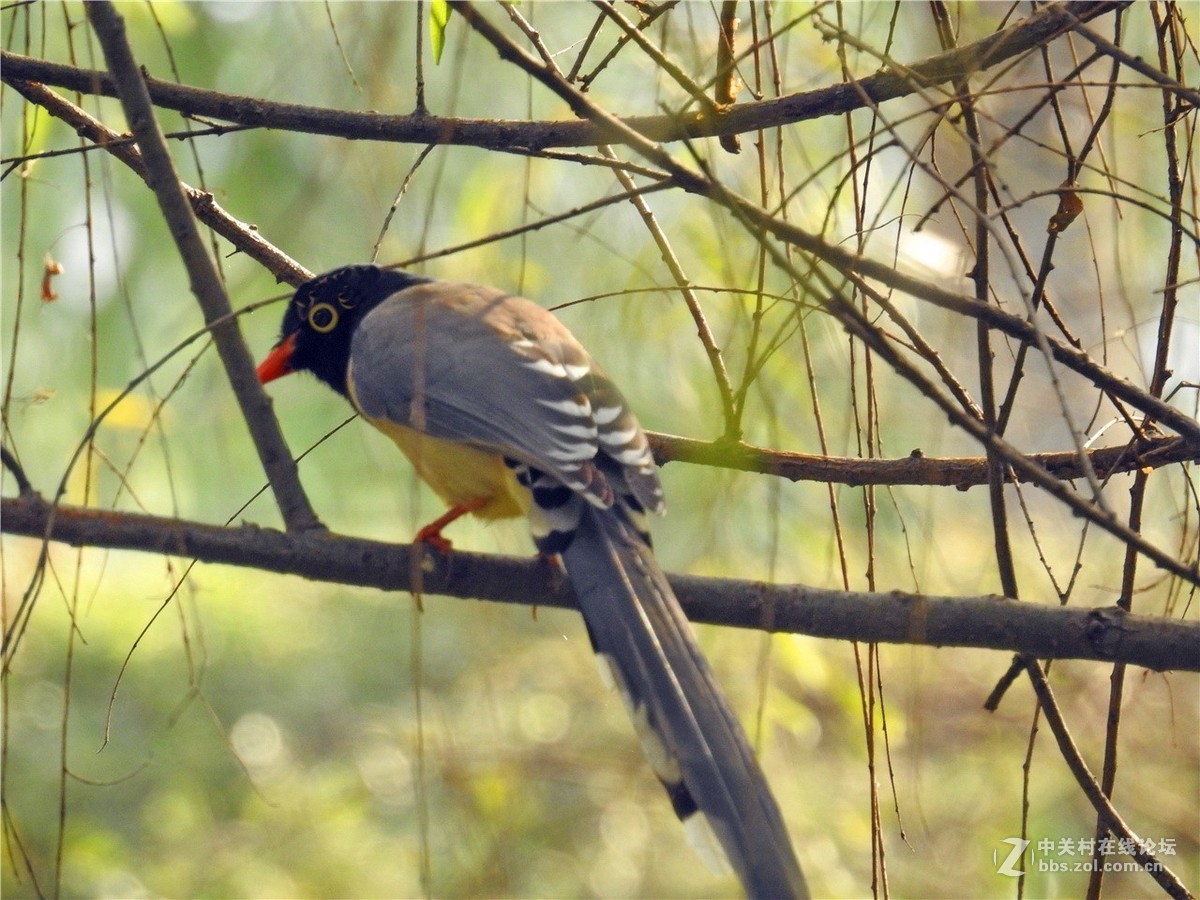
693, 740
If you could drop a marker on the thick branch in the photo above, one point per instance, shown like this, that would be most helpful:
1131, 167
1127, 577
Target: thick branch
504, 135
992, 622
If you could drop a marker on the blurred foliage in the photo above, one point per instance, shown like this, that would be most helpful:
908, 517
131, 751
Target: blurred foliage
252, 735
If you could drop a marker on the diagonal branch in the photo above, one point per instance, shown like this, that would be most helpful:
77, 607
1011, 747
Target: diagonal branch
244, 237
1013, 326
202, 272
913, 469
858, 323
1108, 814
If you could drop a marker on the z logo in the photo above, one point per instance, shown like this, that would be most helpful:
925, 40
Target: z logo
1014, 856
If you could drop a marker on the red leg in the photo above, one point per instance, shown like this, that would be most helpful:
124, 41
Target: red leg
431, 534
555, 570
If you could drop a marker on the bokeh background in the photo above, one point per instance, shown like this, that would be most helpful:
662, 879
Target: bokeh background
172, 730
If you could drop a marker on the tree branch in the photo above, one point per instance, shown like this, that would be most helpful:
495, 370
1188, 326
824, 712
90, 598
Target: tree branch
1109, 816
988, 622
504, 135
857, 322
1015, 327
242, 236
202, 272
916, 468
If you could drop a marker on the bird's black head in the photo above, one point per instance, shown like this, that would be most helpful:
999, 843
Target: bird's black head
321, 318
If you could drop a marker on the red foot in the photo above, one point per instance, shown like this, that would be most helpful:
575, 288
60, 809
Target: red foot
433, 537
553, 566
431, 534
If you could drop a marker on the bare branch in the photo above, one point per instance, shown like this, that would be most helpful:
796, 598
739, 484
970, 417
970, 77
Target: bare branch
505, 134
1108, 814
916, 468
205, 280
244, 237
858, 323
992, 622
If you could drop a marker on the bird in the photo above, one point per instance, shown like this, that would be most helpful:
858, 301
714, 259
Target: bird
503, 413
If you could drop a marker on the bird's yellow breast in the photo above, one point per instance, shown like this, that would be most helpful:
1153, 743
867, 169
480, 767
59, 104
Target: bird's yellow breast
460, 474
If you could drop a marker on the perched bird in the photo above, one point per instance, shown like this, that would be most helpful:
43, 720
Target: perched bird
503, 413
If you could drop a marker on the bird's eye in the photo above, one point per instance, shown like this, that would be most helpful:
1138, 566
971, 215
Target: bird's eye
322, 318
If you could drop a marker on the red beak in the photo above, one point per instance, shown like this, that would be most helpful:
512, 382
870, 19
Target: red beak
279, 361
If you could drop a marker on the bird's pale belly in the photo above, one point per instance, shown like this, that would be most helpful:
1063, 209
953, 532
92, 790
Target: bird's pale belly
460, 474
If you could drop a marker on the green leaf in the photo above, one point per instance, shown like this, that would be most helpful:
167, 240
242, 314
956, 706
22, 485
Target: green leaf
439, 17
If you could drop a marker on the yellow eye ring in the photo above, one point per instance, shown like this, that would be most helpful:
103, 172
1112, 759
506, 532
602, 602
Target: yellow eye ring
322, 318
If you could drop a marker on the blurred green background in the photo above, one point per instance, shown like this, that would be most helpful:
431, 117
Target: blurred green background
227, 732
